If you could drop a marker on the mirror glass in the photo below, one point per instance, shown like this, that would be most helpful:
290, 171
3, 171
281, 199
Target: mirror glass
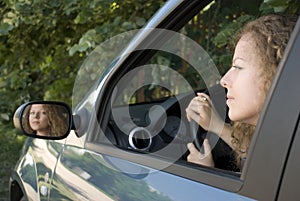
46, 120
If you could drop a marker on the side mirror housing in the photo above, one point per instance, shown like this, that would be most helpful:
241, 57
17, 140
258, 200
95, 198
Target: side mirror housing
44, 119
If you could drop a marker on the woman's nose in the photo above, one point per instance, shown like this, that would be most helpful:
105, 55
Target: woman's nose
37, 115
225, 81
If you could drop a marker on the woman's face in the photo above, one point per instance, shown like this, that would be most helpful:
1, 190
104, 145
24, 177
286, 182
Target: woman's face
38, 119
244, 87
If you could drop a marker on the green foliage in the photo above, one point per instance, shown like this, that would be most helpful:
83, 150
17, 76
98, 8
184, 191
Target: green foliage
280, 6
10, 144
42, 45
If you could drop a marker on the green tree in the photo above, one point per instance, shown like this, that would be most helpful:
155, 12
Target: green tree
42, 45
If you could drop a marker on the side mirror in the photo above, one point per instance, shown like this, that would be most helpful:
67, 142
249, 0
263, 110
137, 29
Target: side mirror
44, 119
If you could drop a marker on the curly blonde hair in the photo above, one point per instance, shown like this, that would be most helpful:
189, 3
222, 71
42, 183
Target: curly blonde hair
271, 34
57, 121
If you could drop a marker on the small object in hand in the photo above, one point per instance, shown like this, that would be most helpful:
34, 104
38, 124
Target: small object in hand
203, 99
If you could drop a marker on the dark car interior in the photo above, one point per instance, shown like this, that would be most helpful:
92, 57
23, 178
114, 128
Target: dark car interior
161, 128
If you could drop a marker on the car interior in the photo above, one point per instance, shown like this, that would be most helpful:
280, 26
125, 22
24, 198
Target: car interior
168, 115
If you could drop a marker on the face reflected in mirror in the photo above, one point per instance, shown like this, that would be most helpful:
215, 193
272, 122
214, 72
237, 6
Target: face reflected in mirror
45, 120
38, 120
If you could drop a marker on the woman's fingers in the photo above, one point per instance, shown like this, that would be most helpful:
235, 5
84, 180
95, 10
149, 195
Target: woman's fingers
195, 155
208, 158
204, 98
206, 147
199, 107
192, 148
202, 159
191, 110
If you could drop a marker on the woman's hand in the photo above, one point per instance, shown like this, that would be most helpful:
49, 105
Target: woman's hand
202, 159
201, 111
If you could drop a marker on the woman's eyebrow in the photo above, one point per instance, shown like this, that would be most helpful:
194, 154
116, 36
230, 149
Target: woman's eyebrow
238, 58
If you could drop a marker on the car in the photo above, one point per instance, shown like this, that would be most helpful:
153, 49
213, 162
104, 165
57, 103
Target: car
125, 137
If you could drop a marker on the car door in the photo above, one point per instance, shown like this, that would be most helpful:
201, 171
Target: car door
35, 168
101, 162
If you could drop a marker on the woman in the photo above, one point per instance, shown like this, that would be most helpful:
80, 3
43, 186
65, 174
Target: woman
38, 120
260, 47
45, 120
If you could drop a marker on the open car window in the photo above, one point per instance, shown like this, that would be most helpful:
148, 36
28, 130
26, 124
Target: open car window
150, 99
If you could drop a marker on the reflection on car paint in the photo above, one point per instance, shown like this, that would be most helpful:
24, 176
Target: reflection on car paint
91, 176
85, 175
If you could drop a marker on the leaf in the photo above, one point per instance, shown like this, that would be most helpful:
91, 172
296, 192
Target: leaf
140, 21
4, 116
280, 6
5, 28
73, 49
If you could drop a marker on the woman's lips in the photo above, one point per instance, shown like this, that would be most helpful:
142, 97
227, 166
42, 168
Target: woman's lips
229, 99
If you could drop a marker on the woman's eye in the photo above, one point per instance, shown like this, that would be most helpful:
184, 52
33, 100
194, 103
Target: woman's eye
237, 67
